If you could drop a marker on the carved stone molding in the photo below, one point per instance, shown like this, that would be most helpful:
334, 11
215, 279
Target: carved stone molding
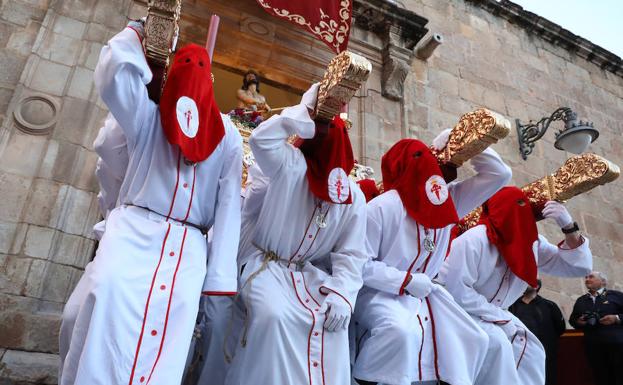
400, 30
396, 64
36, 113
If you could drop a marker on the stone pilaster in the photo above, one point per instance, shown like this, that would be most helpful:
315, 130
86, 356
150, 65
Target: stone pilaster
399, 30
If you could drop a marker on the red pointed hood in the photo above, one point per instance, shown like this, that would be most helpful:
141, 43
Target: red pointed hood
412, 170
330, 159
511, 227
188, 112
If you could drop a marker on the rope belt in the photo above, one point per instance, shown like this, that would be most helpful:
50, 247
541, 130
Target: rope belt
269, 256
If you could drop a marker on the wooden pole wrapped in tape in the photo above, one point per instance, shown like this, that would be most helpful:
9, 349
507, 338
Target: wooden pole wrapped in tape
344, 76
161, 31
576, 176
475, 132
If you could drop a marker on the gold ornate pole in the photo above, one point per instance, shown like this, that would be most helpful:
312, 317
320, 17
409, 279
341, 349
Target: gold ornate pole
344, 76
161, 31
576, 176
475, 131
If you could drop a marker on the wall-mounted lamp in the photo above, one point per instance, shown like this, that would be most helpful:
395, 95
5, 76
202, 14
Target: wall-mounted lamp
575, 137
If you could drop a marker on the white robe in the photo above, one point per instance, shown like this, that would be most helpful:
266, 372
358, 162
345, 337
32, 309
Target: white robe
400, 341
135, 324
286, 341
216, 316
112, 163
481, 282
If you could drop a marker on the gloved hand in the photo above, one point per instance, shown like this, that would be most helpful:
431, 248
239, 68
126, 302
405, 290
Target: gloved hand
558, 212
138, 26
310, 96
420, 285
442, 139
509, 329
337, 312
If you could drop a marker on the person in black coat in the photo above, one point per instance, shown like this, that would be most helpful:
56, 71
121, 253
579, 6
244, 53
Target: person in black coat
599, 314
544, 318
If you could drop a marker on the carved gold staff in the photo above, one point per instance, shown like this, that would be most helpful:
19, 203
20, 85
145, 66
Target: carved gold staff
474, 132
576, 176
345, 74
161, 31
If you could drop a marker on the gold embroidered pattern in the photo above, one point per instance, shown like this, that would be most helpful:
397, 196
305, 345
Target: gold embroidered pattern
333, 32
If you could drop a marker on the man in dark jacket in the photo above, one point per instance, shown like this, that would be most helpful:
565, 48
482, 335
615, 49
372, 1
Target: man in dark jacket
545, 320
599, 313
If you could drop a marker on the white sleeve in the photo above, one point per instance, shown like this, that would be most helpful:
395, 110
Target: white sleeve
349, 254
460, 274
564, 262
269, 141
491, 175
120, 78
112, 148
221, 274
377, 274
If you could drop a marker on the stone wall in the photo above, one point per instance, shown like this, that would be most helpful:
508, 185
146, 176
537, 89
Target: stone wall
49, 116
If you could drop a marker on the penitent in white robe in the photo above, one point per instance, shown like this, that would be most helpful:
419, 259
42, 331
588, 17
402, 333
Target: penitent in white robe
402, 339
481, 282
216, 312
285, 339
135, 323
112, 164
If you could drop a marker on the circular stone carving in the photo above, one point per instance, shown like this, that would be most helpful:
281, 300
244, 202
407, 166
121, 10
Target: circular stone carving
36, 114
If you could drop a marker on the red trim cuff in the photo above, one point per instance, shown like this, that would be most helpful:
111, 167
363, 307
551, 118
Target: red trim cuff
140, 38
403, 285
219, 293
331, 290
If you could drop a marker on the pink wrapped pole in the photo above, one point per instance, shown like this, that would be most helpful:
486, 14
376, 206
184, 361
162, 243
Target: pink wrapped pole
212, 31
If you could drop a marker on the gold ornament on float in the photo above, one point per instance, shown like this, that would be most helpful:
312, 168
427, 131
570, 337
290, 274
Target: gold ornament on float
475, 132
345, 75
161, 32
576, 176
